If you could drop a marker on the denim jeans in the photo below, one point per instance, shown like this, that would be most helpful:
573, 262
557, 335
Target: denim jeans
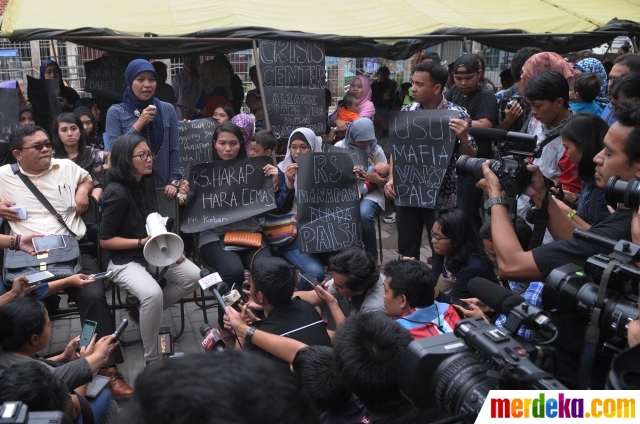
99, 406
305, 263
369, 210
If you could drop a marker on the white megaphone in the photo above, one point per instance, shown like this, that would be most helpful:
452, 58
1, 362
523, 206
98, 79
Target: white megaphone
163, 248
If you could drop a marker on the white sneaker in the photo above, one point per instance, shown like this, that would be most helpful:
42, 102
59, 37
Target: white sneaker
390, 219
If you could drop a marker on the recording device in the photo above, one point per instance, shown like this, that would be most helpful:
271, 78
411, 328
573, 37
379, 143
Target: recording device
309, 278
120, 329
212, 339
101, 275
515, 150
166, 348
456, 371
48, 243
18, 413
88, 330
98, 383
625, 192
163, 248
516, 99
208, 279
227, 297
39, 277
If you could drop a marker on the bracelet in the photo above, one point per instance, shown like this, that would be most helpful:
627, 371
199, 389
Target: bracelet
572, 213
249, 334
465, 144
18, 238
139, 242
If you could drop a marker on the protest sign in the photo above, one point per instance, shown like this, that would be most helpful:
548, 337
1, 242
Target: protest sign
422, 146
328, 203
43, 95
195, 139
105, 77
225, 192
8, 113
358, 156
293, 79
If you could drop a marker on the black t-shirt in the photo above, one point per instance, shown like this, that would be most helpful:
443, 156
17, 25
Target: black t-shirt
553, 255
298, 320
124, 211
481, 104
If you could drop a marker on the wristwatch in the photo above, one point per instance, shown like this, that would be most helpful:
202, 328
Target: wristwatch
249, 334
175, 183
494, 201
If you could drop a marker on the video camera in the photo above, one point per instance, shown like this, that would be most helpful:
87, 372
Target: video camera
456, 371
18, 413
571, 289
515, 150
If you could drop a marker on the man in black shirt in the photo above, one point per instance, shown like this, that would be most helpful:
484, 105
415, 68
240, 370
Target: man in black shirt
272, 283
480, 102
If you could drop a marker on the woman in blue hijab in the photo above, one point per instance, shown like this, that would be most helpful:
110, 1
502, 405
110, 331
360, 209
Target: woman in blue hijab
156, 121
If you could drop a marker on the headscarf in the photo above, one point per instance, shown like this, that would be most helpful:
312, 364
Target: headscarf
245, 122
594, 66
133, 105
9, 84
218, 76
548, 61
366, 109
361, 130
94, 139
43, 67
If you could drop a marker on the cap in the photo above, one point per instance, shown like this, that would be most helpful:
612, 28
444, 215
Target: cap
468, 62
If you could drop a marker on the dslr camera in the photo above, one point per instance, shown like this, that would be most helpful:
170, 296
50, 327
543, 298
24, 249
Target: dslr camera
621, 191
515, 150
18, 413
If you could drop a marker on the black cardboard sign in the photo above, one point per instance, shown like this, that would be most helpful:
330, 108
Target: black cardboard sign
43, 95
105, 77
294, 77
225, 192
328, 203
195, 141
8, 113
422, 146
358, 156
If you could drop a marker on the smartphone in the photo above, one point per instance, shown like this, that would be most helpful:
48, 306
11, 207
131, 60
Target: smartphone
306, 276
120, 329
88, 330
101, 275
48, 243
98, 383
39, 277
456, 301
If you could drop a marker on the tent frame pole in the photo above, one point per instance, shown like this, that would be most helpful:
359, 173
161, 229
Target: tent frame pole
261, 85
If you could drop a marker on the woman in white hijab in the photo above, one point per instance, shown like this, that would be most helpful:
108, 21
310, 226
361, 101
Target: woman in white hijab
301, 141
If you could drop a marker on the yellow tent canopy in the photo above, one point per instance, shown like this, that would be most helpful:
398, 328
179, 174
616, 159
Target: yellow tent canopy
390, 28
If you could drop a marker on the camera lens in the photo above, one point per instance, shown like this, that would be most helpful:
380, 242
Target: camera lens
472, 167
621, 191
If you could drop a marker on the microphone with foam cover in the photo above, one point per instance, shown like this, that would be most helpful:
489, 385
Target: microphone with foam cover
491, 294
488, 133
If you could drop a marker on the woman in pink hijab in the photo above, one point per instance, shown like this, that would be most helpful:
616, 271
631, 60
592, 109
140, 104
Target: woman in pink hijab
361, 88
547, 61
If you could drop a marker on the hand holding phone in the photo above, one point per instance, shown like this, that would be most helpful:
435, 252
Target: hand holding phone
311, 280
101, 275
39, 277
48, 243
88, 330
456, 301
120, 329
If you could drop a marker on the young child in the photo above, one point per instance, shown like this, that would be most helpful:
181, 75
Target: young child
262, 143
380, 168
347, 112
587, 87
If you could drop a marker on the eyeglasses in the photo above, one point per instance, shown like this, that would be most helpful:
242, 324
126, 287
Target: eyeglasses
302, 148
144, 156
436, 238
38, 146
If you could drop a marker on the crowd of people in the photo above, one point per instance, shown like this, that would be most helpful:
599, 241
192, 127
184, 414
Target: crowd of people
343, 335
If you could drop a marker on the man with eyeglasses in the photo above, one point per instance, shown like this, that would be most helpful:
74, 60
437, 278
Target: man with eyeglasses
66, 186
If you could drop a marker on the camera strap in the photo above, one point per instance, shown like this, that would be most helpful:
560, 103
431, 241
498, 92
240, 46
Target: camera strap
540, 224
592, 334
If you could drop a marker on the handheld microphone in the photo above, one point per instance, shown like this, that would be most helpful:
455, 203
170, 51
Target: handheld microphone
212, 339
207, 279
165, 342
491, 294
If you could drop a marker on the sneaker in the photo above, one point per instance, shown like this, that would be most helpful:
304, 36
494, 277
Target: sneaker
391, 219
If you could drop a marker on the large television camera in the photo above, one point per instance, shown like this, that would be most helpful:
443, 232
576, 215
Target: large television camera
515, 150
456, 371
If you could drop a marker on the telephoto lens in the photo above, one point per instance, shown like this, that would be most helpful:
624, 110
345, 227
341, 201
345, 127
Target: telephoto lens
625, 192
472, 167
